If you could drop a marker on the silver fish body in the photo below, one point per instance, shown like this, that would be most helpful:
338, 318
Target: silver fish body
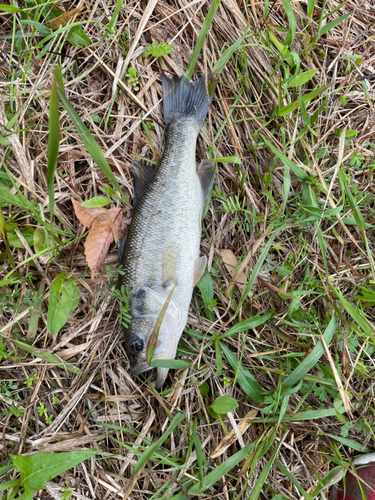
162, 246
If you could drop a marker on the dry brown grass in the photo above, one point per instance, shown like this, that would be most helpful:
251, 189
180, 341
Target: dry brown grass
103, 391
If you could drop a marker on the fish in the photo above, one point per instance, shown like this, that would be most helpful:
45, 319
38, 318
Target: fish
161, 251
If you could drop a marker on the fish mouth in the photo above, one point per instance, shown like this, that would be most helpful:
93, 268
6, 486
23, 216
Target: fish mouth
140, 368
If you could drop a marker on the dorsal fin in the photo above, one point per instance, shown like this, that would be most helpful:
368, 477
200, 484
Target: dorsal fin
142, 176
206, 174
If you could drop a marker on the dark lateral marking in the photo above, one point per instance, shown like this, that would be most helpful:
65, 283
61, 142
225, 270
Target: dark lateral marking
156, 213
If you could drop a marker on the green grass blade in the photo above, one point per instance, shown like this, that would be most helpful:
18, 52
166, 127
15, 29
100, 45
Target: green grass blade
245, 379
201, 37
224, 58
220, 471
53, 145
89, 142
46, 356
155, 331
9, 8
357, 316
303, 415
198, 450
247, 324
291, 19
294, 481
256, 270
332, 24
310, 361
254, 495
350, 443
147, 454
298, 172
289, 108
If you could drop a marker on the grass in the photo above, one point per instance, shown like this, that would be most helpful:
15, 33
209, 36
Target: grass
271, 395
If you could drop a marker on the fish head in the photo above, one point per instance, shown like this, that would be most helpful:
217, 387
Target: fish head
145, 308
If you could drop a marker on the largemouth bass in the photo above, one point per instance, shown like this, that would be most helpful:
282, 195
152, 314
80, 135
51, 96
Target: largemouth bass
162, 245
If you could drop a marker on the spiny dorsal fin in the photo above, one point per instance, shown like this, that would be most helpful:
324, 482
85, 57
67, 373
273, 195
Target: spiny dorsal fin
206, 174
142, 176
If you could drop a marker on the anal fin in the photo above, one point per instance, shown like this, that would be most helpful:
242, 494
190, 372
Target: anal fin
199, 268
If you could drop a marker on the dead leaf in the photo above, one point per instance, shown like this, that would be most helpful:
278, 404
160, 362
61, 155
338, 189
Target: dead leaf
230, 438
104, 226
54, 24
231, 262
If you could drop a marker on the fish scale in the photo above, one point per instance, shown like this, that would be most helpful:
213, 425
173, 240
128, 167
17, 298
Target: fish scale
162, 246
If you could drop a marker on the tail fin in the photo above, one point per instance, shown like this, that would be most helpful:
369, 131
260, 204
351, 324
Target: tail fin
183, 98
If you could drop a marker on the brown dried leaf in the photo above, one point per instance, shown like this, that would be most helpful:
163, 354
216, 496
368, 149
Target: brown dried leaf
54, 24
104, 226
231, 438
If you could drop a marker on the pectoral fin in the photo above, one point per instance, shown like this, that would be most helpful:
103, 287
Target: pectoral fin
161, 376
200, 266
206, 174
142, 176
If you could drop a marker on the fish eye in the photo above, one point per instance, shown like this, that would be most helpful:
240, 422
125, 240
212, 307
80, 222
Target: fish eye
137, 345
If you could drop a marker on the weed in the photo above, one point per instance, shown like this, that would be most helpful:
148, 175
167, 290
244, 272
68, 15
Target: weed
156, 50
132, 78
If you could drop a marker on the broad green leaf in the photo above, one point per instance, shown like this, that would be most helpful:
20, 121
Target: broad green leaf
301, 174
4, 141
43, 30
173, 364
223, 405
245, 379
96, 202
42, 239
332, 24
63, 299
9, 8
247, 324
289, 108
36, 470
150, 450
206, 287
302, 78
13, 239
201, 37
53, 145
78, 37
310, 361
